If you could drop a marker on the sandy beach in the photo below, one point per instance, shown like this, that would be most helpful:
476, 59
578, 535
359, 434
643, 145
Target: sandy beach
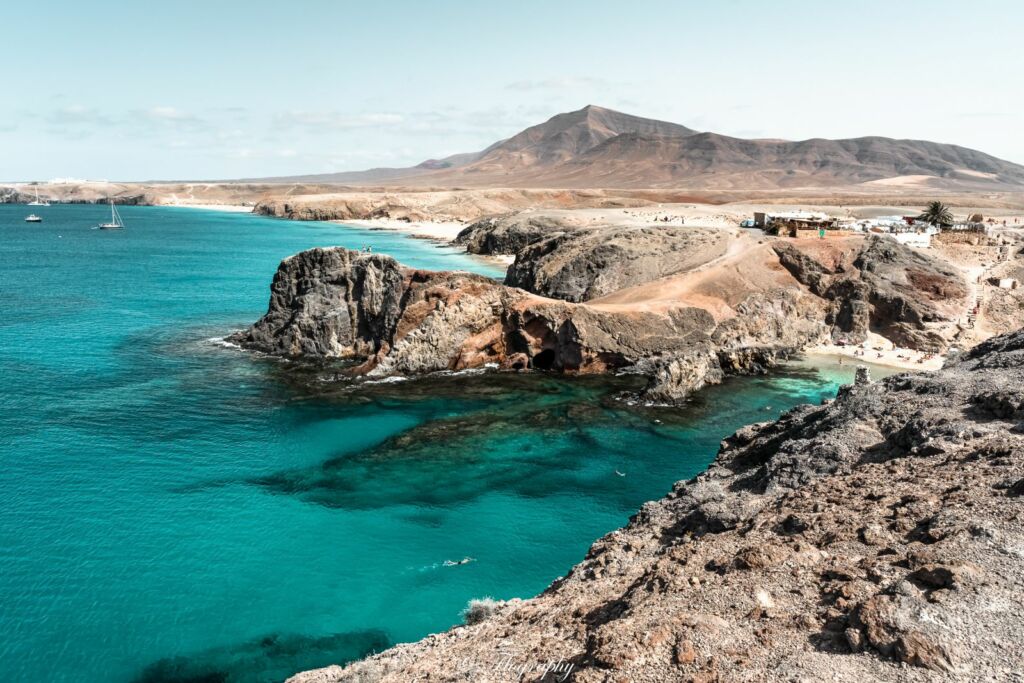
442, 232
880, 351
231, 208
439, 231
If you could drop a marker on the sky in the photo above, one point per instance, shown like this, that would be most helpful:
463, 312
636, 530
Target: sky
221, 89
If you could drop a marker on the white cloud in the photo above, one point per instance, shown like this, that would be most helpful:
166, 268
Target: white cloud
166, 117
334, 120
79, 115
561, 83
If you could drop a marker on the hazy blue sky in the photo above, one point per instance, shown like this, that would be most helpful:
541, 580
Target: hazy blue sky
232, 88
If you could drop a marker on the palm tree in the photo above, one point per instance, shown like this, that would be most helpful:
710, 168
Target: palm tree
938, 214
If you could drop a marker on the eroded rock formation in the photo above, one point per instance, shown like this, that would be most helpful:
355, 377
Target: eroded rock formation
587, 264
887, 288
335, 303
508, 233
875, 537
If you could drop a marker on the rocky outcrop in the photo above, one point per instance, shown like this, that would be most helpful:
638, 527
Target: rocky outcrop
587, 264
875, 537
335, 303
766, 329
509, 233
366, 308
887, 288
571, 338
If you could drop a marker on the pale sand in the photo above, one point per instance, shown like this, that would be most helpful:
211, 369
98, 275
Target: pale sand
439, 231
889, 355
230, 208
442, 232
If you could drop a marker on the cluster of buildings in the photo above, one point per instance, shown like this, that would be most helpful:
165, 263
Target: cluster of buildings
905, 229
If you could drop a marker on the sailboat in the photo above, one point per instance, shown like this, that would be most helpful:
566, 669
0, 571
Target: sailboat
115, 220
36, 202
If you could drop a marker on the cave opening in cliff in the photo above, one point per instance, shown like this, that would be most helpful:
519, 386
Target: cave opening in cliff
544, 360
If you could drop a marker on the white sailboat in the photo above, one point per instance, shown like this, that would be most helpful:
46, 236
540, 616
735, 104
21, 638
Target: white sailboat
115, 220
37, 202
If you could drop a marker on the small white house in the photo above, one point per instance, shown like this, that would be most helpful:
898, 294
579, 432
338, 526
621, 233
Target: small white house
921, 240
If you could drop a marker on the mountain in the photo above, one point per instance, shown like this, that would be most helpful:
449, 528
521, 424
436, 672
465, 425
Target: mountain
598, 147
567, 137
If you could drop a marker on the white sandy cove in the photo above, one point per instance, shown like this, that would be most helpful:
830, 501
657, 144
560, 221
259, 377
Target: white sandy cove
890, 355
442, 231
436, 231
232, 208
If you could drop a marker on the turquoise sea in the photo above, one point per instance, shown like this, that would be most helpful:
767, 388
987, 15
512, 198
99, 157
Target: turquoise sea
175, 510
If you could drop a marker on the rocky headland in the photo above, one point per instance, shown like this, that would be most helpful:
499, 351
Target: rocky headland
874, 537
592, 300
340, 304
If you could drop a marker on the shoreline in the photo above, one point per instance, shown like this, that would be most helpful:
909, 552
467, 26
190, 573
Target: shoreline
889, 357
226, 208
440, 232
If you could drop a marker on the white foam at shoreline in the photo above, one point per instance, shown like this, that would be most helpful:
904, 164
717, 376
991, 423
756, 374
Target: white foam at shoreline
393, 379
224, 343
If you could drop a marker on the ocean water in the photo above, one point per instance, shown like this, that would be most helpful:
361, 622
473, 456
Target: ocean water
175, 510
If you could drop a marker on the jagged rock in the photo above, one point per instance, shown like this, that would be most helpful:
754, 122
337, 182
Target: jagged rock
678, 377
891, 625
336, 303
766, 329
888, 288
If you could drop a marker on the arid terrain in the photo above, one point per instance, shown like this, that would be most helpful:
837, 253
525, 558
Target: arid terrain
598, 147
595, 157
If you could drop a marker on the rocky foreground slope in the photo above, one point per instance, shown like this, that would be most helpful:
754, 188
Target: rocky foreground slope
875, 537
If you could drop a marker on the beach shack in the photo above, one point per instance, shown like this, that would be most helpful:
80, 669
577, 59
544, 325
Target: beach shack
792, 222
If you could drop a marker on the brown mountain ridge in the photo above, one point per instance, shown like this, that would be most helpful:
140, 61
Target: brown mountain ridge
598, 147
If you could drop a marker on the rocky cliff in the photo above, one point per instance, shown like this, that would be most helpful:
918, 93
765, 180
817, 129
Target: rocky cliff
336, 303
875, 537
886, 288
766, 329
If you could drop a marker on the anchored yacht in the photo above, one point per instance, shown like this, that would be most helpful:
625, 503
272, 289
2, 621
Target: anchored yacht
115, 219
37, 202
